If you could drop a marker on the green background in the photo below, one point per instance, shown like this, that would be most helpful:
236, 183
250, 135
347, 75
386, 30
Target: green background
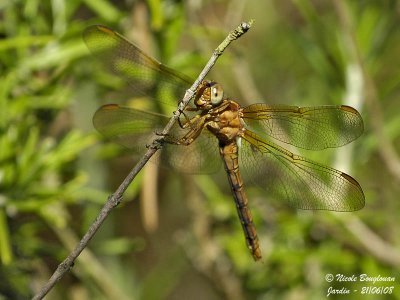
174, 236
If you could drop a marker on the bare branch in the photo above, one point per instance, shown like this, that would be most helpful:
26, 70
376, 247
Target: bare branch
116, 198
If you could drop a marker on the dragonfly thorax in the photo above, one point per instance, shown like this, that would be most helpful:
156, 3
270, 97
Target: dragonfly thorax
225, 121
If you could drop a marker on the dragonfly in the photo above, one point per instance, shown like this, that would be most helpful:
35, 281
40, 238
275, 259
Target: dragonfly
214, 129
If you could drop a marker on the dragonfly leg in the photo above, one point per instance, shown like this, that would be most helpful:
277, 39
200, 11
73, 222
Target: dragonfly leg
187, 139
189, 122
189, 108
183, 126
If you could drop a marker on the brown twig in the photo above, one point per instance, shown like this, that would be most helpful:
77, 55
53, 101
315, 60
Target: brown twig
116, 198
90, 265
148, 198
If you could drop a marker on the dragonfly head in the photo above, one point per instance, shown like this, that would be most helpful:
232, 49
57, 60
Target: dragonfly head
209, 94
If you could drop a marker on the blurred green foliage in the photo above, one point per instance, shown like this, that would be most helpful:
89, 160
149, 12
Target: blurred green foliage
54, 176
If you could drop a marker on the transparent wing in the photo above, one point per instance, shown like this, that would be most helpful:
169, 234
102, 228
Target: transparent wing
128, 127
135, 129
303, 183
145, 74
312, 128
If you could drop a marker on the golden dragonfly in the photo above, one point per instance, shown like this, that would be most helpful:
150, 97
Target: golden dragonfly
214, 129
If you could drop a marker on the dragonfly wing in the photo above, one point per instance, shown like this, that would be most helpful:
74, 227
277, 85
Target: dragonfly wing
128, 127
312, 128
303, 183
200, 157
135, 129
145, 74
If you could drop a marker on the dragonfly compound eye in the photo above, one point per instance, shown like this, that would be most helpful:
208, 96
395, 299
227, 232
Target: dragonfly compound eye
217, 94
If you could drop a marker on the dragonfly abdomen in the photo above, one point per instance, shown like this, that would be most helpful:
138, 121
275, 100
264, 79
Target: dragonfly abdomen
229, 155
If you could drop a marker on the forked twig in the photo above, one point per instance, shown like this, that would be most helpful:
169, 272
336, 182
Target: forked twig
115, 199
